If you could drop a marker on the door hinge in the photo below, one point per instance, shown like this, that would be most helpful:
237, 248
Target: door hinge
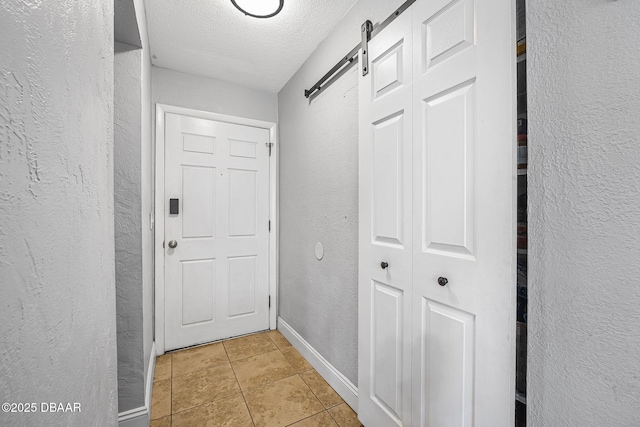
269, 301
269, 146
269, 225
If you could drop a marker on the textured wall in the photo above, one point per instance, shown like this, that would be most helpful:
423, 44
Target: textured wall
216, 96
57, 290
146, 169
133, 205
128, 225
319, 197
584, 192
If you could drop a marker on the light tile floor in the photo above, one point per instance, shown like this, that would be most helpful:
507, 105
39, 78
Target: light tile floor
258, 380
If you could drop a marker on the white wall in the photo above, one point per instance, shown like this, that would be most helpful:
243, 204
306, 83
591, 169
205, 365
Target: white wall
146, 173
216, 96
128, 226
133, 200
319, 196
57, 286
584, 200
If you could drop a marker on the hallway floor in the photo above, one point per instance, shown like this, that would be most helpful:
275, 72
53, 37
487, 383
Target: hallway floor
258, 380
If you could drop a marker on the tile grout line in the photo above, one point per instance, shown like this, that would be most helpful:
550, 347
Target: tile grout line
325, 409
306, 418
239, 386
316, 395
333, 418
299, 374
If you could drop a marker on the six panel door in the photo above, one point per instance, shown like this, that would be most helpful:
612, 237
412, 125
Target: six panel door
438, 332
216, 278
463, 213
384, 334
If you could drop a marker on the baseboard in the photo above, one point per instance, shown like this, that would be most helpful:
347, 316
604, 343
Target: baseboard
331, 375
139, 417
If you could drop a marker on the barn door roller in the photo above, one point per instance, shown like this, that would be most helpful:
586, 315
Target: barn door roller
366, 29
367, 32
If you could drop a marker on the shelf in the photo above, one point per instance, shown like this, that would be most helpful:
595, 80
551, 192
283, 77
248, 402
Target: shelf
522, 171
521, 398
522, 252
522, 57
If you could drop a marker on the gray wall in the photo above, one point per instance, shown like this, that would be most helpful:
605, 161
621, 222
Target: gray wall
216, 96
584, 192
319, 197
133, 204
128, 226
57, 288
146, 170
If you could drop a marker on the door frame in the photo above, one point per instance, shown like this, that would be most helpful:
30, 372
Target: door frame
159, 209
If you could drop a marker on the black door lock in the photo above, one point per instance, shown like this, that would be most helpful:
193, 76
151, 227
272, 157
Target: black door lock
173, 207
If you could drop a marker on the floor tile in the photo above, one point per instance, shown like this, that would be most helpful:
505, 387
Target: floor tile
296, 359
163, 368
161, 399
252, 345
200, 387
282, 403
278, 339
323, 419
227, 412
259, 370
198, 358
344, 416
161, 422
321, 389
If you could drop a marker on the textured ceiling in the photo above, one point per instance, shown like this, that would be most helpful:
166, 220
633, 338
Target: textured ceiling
211, 38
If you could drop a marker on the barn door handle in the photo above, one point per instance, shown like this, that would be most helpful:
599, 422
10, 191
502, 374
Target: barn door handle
384, 265
442, 281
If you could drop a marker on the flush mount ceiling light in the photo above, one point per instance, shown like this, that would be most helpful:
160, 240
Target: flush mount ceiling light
259, 8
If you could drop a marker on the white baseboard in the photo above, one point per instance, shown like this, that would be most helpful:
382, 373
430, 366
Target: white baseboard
139, 417
331, 375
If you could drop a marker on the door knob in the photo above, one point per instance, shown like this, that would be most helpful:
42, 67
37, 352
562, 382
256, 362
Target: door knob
442, 281
384, 265
173, 244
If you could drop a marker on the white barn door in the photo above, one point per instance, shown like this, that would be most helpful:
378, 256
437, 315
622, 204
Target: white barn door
385, 234
460, 319
217, 275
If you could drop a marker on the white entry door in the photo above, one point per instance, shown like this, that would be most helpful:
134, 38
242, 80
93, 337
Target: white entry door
454, 316
216, 276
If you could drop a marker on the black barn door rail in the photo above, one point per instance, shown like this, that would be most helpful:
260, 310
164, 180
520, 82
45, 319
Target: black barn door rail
368, 32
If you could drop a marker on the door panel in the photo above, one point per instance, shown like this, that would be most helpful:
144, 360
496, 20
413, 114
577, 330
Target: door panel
242, 286
464, 210
388, 70
216, 279
242, 203
445, 385
388, 177
198, 143
447, 146
386, 347
436, 137
198, 291
384, 368
198, 201
446, 32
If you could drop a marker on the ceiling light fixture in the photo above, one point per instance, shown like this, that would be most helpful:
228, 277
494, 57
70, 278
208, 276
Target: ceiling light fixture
259, 8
